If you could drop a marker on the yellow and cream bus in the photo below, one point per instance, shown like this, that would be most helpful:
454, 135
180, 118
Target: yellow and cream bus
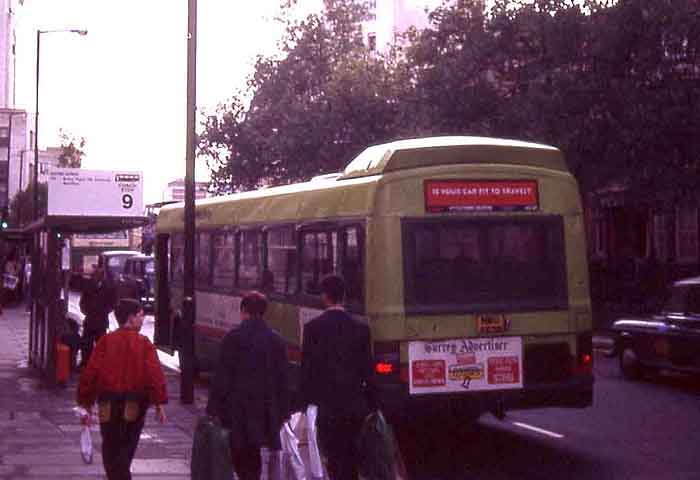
465, 255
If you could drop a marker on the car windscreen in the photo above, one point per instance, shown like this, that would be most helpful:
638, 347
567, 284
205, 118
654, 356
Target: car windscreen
149, 267
484, 265
115, 263
684, 299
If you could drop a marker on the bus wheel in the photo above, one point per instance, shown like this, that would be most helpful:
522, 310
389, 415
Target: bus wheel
629, 363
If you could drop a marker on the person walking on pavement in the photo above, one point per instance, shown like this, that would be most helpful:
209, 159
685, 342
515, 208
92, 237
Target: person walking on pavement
249, 391
96, 302
124, 376
337, 377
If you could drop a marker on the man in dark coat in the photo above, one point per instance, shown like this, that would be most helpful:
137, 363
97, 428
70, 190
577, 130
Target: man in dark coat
97, 300
337, 376
249, 392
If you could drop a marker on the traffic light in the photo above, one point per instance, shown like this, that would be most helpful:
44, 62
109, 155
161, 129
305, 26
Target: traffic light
3, 219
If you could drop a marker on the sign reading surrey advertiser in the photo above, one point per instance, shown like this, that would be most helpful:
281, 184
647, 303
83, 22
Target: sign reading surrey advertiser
481, 195
73, 191
465, 365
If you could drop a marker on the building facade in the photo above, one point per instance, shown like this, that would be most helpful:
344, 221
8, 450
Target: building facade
15, 158
175, 191
8, 11
637, 250
388, 19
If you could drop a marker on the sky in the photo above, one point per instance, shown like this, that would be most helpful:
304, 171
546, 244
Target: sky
123, 85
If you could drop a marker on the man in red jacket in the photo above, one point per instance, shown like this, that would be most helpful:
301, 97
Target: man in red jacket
124, 377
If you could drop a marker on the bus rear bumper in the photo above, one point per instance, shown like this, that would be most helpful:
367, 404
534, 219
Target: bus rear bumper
576, 392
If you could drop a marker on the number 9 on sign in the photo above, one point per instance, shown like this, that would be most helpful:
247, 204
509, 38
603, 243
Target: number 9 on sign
127, 201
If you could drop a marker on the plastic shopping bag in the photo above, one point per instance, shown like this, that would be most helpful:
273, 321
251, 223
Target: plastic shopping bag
86, 444
315, 462
291, 463
85, 435
270, 464
380, 457
211, 452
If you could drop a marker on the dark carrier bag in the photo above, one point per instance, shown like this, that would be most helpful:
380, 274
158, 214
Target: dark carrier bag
211, 451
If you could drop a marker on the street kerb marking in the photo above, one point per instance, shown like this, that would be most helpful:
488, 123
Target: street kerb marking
538, 430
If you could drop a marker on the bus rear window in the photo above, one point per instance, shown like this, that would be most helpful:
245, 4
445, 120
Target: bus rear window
484, 265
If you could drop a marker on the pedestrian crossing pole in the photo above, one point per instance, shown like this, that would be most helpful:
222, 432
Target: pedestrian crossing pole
187, 358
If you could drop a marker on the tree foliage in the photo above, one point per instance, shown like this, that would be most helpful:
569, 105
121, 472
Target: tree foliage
22, 205
615, 84
72, 150
310, 111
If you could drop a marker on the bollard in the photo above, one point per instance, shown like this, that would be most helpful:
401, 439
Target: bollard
62, 363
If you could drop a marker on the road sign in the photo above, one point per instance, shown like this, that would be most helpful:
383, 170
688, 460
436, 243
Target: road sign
73, 191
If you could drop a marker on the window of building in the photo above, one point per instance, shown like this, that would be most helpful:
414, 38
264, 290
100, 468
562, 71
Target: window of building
224, 266
662, 237
599, 237
249, 259
372, 42
687, 234
281, 273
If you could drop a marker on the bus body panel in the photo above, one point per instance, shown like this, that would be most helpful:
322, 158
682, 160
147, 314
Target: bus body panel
390, 205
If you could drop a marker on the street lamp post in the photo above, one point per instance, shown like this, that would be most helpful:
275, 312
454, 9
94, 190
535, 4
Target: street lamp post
81, 32
36, 274
188, 304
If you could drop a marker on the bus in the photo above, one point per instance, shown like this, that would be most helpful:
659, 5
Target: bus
85, 249
465, 255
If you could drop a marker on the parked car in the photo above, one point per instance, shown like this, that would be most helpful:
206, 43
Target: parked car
113, 263
137, 280
669, 340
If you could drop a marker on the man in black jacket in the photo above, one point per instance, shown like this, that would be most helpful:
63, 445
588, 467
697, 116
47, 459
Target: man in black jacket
97, 300
337, 376
249, 392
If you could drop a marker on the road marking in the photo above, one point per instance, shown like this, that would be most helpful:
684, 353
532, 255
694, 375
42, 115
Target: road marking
538, 430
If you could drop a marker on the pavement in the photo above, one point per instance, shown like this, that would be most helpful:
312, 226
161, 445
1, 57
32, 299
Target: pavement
40, 433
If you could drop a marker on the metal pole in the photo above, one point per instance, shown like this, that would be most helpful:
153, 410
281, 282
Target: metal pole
188, 303
34, 279
9, 152
36, 131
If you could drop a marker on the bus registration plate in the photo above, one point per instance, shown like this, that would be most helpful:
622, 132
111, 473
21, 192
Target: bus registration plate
465, 365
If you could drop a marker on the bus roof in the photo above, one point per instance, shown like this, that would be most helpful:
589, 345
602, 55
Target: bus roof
351, 193
426, 152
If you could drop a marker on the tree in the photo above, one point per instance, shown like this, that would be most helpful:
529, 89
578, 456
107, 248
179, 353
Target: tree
72, 150
22, 205
310, 111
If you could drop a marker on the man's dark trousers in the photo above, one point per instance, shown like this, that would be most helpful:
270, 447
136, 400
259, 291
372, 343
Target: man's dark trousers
119, 441
338, 438
90, 337
246, 462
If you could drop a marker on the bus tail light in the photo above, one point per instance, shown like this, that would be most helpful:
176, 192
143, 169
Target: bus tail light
386, 358
584, 354
384, 368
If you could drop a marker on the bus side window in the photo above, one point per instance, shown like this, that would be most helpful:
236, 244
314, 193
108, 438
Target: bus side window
280, 274
353, 264
249, 259
203, 260
224, 266
319, 258
177, 257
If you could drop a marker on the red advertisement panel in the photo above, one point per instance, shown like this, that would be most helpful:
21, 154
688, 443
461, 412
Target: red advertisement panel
428, 373
480, 195
503, 370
